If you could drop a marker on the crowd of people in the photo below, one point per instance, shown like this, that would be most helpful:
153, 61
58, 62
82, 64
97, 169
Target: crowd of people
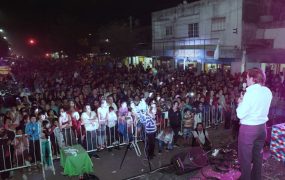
101, 107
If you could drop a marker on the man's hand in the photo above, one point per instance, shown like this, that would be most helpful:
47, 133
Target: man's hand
9, 142
240, 98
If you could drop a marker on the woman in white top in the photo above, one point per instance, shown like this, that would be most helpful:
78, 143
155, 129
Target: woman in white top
102, 117
112, 127
90, 121
65, 125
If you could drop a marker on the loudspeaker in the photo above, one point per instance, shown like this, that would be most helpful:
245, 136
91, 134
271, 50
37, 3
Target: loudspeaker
190, 160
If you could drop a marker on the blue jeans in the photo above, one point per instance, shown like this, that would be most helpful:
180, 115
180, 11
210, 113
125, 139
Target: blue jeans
187, 132
46, 154
162, 143
91, 140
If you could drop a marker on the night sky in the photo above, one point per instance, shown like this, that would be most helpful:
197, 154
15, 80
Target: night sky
52, 20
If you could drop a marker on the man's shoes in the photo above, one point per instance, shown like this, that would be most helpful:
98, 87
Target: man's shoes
176, 145
115, 143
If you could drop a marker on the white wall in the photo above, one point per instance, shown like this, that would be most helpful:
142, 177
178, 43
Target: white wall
200, 12
278, 35
236, 67
250, 65
231, 9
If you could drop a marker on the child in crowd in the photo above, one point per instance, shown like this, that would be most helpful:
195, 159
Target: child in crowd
188, 124
46, 146
58, 137
21, 149
165, 137
122, 124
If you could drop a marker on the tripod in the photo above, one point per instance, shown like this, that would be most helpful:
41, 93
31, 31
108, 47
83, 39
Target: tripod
136, 147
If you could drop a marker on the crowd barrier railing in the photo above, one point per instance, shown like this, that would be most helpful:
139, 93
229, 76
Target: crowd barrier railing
17, 154
99, 139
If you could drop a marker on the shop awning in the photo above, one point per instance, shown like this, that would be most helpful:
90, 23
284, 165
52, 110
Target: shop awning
219, 61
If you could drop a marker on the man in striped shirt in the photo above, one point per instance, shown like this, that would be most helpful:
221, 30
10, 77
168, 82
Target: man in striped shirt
150, 131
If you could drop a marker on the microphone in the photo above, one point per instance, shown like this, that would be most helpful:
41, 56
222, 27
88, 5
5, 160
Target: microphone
243, 88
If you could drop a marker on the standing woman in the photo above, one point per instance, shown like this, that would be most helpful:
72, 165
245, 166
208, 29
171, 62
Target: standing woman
65, 125
76, 122
90, 121
150, 130
122, 124
102, 117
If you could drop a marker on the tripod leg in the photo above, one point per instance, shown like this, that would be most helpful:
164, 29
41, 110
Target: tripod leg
137, 148
149, 165
126, 151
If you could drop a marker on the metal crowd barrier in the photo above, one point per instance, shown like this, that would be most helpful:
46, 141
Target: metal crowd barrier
212, 116
104, 137
16, 156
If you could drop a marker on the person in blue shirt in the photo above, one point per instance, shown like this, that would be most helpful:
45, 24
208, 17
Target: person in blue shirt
33, 131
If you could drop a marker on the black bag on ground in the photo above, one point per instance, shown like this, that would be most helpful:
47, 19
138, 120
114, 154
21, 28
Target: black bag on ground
90, 177
194, 158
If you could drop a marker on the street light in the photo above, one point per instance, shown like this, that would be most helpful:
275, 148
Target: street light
32, 42
5, 37
1, 30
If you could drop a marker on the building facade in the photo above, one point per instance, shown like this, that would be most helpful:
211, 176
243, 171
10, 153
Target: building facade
240, 33
264, 28
192, 32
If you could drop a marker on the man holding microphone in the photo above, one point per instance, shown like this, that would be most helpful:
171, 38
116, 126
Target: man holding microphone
252, 110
